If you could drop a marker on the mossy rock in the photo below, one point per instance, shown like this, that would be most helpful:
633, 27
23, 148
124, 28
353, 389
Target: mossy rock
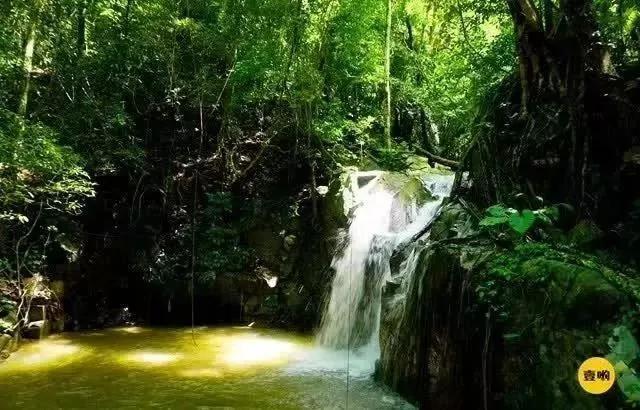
414, 190
407, 188
586, 234
554, 310
523, 318
453, 222
333, 205
577, 290
393, 181
419, 166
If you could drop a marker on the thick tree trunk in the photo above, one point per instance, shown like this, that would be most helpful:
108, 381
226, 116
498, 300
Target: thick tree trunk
555, 55
532, 53
555, 52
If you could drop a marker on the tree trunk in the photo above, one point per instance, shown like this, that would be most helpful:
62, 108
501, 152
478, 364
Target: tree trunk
552, 57
82, 28
410, 41
295, 40
387, 73
27, 65
425, 131
125, 19
554, 62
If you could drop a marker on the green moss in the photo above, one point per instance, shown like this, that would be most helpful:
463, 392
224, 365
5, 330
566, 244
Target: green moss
453, 222
408, 188
586, 234
418, 165
556, 307
413, 189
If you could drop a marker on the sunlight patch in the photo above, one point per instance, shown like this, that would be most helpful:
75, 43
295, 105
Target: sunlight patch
204, 372
153, 357
257, 350
45, 353
130, 329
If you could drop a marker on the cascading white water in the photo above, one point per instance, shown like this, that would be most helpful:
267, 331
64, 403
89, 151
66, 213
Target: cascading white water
380, 223
371, 222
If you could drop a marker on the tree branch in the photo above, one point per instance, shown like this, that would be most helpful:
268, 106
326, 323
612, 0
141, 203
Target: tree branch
455, 165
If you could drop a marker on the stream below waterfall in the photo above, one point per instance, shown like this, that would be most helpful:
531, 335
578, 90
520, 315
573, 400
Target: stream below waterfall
216, 368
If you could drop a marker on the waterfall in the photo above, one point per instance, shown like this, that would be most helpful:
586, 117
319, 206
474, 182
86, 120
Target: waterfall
350, 314
381, 221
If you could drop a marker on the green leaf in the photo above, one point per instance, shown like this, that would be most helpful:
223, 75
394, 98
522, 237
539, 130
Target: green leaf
497, 210
624, 346
493, 220
522, 222
630, 385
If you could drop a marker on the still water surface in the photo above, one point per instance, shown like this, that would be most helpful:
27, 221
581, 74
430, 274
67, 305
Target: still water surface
211, 368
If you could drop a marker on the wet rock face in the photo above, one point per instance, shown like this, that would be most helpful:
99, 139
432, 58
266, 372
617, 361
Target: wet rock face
424, 352
431, 343
297, 248
477, 326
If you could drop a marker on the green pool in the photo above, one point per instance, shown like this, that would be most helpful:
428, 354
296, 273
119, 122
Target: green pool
209, 368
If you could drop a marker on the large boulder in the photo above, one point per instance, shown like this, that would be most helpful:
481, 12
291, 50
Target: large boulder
425, 355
